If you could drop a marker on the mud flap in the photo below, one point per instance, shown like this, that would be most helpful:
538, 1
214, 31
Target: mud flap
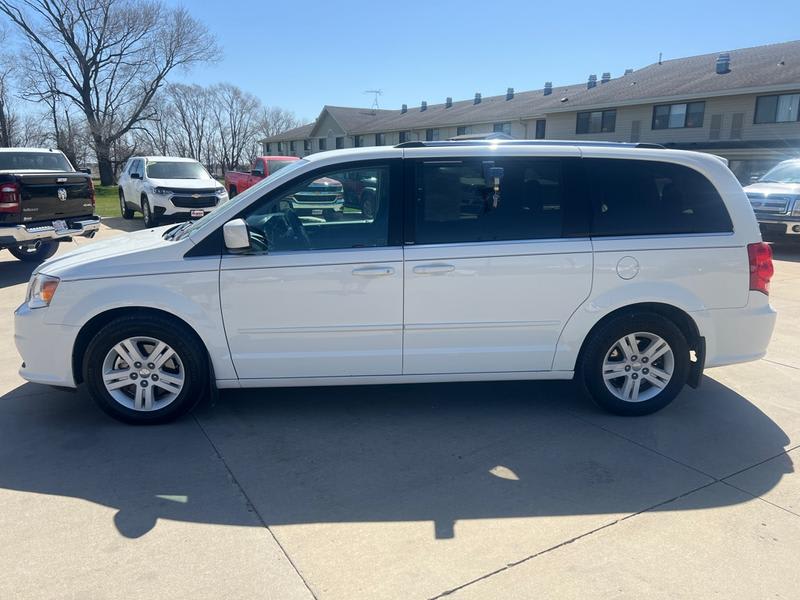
698, 363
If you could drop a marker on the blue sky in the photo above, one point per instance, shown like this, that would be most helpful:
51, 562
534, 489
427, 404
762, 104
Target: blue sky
303, 54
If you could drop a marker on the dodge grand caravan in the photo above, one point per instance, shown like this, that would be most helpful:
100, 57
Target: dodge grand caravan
631, 269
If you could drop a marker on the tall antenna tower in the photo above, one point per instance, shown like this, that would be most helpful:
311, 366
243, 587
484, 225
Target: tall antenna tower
375, 93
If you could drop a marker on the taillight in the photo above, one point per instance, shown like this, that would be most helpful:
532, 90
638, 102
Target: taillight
9, 197
761, 269
91, 190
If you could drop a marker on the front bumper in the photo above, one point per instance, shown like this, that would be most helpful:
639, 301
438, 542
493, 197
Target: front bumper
22, 234
779, 226
46, 349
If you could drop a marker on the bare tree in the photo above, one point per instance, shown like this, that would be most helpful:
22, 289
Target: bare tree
236, 116
108, 58
275, 120
193, 117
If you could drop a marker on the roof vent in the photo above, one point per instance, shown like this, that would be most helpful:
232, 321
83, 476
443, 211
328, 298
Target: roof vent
564, 99
628, 71
423, 106
404, 109
592, 82
477, 98
510, 94
605, 78
548, 88
448, 102
723, 63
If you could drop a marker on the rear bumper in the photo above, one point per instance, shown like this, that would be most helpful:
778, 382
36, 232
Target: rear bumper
22, 234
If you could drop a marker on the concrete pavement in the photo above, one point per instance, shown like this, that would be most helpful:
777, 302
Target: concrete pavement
490, 490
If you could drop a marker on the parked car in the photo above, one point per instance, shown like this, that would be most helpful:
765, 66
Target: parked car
236, 181
43, 201
630, 269
775, 199
167, 187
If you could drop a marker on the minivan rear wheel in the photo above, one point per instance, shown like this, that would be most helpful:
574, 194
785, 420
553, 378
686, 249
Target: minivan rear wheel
145, 369
635, 364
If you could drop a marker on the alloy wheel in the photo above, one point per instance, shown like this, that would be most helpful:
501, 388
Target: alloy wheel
638, 366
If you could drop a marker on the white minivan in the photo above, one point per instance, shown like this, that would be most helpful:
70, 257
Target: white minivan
628, 268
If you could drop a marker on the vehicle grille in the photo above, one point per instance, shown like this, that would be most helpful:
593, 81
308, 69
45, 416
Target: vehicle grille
773, 204
202, 201
190, 191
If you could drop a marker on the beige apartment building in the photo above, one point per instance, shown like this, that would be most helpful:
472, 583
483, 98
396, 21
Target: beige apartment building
742, 104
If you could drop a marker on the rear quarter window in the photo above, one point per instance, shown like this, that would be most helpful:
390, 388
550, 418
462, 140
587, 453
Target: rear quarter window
638, 197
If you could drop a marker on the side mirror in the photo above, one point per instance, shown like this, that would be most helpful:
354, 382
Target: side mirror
135, 176
256, 173
237, 239
86, 170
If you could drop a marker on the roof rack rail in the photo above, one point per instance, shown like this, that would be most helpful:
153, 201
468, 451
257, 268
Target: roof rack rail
460, 143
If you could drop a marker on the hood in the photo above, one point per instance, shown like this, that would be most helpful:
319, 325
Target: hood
186, 184
768, 189
141, 252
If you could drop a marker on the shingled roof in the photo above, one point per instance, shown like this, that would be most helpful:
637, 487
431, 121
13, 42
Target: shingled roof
751, 69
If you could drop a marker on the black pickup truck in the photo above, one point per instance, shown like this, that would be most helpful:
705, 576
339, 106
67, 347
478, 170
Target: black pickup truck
43, 201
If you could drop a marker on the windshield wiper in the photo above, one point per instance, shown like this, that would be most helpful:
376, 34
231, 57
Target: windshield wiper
171, 233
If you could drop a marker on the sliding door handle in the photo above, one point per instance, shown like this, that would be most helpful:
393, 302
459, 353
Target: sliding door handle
373, 271
433, 269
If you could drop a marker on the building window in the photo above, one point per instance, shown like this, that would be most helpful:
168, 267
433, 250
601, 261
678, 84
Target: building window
380, 139
502, 128
464, 130
307, 145
678, 116
280, 147
540, 128
598, 121
291, 147
777, 109
339, 143
358, 141
403, 137
432, 135
322, 143
268, 148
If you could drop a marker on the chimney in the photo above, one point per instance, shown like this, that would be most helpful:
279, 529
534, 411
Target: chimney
548, 88
510, 94
477, 98
448, 102
628, 71
423, 107
404, 109
723, 63
592, 82
605, 78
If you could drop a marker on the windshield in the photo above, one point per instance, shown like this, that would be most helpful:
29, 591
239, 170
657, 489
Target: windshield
783, 173
277, 165
176, 170
234, 206
34, 161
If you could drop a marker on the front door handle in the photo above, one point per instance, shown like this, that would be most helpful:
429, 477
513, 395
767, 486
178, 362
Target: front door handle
373, 271
434, 269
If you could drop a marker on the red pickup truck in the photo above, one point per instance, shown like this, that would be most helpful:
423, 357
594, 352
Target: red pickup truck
263, 166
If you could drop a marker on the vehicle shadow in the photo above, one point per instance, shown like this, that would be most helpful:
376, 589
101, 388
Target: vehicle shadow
787, 252
13, 271
126, 225
440, 453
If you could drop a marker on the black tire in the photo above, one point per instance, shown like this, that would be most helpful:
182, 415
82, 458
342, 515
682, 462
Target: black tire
603, 341
126, 212
150, 219
232, 191
179, 337
37, 252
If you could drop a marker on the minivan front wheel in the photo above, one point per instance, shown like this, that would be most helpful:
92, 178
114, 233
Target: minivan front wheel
145, 369
635, 364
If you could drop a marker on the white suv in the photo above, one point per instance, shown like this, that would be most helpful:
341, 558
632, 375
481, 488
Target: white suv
629, 268
167, 187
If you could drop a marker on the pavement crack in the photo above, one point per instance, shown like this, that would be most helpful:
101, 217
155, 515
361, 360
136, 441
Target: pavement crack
250, 505
775, 362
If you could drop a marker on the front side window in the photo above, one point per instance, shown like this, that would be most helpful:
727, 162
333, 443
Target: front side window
678, 116
597, 121
311, 214
782, 108
639, 197
456, 201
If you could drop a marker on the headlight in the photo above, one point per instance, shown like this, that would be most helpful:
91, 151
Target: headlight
796, 209
220, 191
41, 290
162, 191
